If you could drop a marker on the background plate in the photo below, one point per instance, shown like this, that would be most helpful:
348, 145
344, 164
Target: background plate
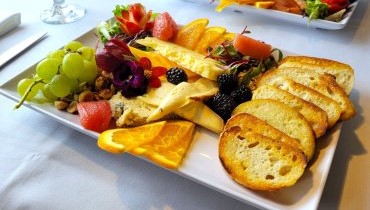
202, 164
289, 17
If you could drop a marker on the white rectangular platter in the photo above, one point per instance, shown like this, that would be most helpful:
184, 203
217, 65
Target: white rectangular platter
288, 17
202, 163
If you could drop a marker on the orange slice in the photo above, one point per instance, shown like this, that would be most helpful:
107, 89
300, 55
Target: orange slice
189, 35
125, 139
224, 3
168, 149
209, 36
264, 4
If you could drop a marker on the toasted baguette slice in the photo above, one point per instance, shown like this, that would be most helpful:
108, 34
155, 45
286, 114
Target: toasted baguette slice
327, 104
250, 123
328, 86
317, 117
343, 73
259, 162
323, 83
283, 118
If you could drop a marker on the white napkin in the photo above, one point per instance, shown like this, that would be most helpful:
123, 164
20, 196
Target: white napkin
8, 21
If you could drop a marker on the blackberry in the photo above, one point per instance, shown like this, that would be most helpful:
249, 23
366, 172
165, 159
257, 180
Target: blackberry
241, 94
222, 104
227, 83
176, 75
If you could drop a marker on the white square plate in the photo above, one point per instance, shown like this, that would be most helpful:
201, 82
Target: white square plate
288, 17
202, 163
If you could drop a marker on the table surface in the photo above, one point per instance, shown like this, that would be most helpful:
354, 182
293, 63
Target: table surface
46, 165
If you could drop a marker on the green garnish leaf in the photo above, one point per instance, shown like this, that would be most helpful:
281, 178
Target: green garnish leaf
316, 9
107, 30
118, 10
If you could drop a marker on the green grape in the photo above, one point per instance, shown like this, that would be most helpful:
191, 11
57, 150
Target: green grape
56, 54
72, 65
74, 84
87, 53
47, 68
48, 94
24, 85
89, 73
61, 85
72, 46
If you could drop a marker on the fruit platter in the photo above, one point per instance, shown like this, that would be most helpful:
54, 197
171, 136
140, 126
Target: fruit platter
220, 108
324, 14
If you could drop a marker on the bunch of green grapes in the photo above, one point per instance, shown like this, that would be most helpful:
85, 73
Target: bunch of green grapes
60, 73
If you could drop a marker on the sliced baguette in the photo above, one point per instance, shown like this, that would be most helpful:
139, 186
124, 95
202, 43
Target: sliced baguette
323, 83
330, 106
317, 117
329, 87
259, 162
283, 118
343, 73
250, 123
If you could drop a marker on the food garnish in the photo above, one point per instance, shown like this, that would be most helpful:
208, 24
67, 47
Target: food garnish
164, 142
189, 35
169, 147
134, 18
127, 139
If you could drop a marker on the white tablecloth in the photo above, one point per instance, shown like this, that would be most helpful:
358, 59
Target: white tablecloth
46, 165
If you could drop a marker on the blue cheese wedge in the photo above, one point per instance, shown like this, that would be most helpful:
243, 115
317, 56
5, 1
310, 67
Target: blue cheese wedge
130, 112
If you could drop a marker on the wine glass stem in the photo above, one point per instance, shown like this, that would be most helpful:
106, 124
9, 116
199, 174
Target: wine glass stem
59, 2
57, 7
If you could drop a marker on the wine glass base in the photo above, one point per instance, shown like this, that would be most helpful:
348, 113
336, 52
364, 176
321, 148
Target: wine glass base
63, 14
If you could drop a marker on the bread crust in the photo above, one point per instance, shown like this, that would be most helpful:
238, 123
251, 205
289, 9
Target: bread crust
283, 118
250, 123
259, 162
343, 73
317, 117
330, 106
323, 83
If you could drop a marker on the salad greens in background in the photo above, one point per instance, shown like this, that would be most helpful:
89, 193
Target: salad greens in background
322, 9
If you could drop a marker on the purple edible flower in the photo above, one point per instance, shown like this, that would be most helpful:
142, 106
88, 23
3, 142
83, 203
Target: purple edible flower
129, 77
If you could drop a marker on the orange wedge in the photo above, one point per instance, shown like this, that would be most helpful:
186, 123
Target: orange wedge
209, 36
170, 146
264, 4
225, 3
125, 139
189, 35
